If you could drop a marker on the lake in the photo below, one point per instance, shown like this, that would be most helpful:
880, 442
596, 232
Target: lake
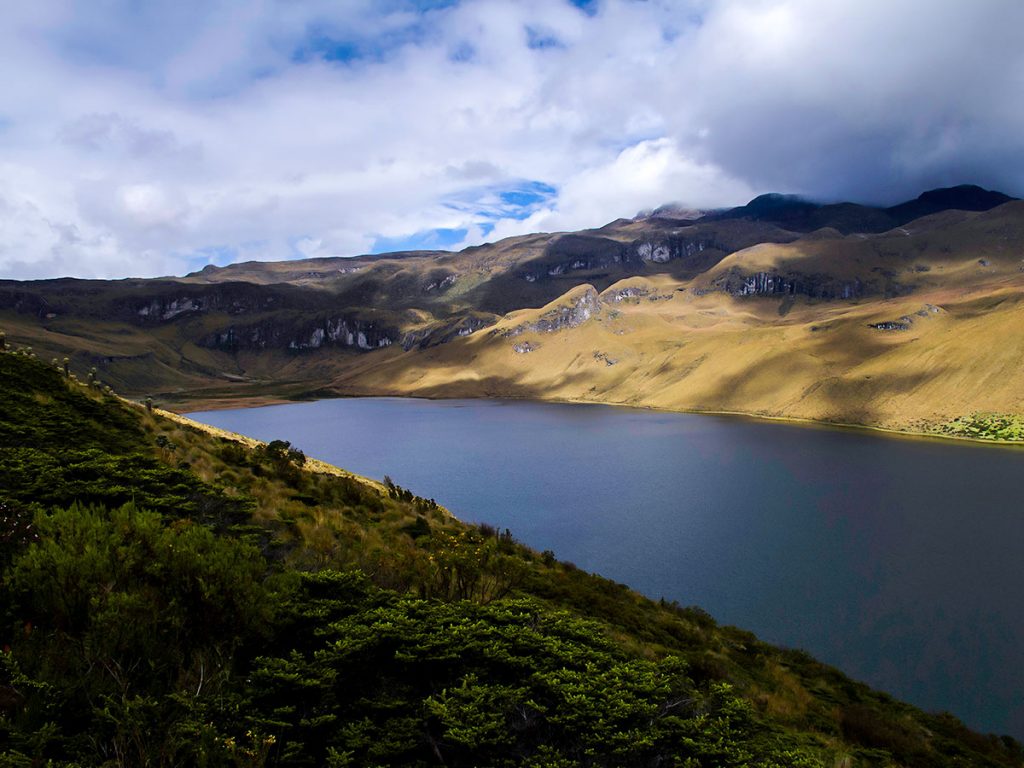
897, 560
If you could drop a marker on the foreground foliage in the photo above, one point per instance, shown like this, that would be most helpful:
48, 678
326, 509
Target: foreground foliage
170, 598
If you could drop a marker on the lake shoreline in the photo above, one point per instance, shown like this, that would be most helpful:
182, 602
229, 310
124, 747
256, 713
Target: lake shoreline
259, 401
811, 538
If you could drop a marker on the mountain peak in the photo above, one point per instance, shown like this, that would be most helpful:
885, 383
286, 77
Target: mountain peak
776, 202
965, 197
801, 215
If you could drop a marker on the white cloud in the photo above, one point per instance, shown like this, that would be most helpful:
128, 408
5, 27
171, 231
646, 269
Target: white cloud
645, 174
143, 139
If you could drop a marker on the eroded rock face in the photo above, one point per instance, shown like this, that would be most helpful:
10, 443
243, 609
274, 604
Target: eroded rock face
183, 301
814, 286
445, 332
903, 324
440, 285
665, 250
633, 294
627, 293
303, 335
155, 302
906, 321
572, 253
167, 309
570, 315
737, 283
24, 302
230, 299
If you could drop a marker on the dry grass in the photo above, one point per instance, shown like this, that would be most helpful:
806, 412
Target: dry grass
716, 353
312, 465
694, 349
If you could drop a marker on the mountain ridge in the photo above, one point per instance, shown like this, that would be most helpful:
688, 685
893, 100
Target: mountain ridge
848, 217
843, 309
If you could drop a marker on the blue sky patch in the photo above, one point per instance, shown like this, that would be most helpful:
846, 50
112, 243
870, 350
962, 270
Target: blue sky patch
339, 46
323, 47
319, 45
484, 206
524, 200
431, 5
511, 201
427, 240
589, 7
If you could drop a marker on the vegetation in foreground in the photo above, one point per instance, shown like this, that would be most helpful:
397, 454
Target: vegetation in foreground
169, 597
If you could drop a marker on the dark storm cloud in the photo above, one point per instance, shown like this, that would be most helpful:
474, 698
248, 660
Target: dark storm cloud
862, 100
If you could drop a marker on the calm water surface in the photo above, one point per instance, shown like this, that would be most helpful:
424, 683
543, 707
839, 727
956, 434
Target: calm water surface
897, 560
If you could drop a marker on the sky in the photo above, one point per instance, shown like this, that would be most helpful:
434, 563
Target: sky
154, 137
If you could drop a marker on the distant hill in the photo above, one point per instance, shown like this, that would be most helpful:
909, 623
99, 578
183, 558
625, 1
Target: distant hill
797, 214
903, 317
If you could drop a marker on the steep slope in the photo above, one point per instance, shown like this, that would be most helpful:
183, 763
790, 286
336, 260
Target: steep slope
908, 331
266, 611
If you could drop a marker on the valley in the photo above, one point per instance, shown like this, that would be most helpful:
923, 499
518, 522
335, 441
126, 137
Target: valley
783, 309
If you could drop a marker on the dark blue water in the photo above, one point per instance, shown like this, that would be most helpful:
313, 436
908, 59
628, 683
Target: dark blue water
897, 560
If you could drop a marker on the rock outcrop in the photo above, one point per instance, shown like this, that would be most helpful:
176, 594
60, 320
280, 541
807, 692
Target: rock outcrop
668, 249
177, 301
24, 302
443, 332
575, 253
737, 283
633, 294
571, 314
303, 334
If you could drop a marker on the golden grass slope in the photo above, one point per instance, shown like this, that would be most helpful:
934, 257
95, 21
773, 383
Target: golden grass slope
672, 345
949, 286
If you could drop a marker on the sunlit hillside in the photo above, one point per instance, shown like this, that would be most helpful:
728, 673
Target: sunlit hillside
908, 328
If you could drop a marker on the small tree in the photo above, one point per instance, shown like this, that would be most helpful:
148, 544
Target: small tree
165, 445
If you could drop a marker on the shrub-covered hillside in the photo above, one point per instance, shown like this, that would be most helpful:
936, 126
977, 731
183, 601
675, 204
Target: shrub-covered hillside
170, 597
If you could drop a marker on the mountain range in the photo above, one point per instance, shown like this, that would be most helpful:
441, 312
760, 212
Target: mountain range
904, 317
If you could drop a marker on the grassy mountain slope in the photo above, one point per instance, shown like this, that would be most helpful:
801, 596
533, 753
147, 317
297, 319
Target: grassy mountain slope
931, 335
172, 596
910, 327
